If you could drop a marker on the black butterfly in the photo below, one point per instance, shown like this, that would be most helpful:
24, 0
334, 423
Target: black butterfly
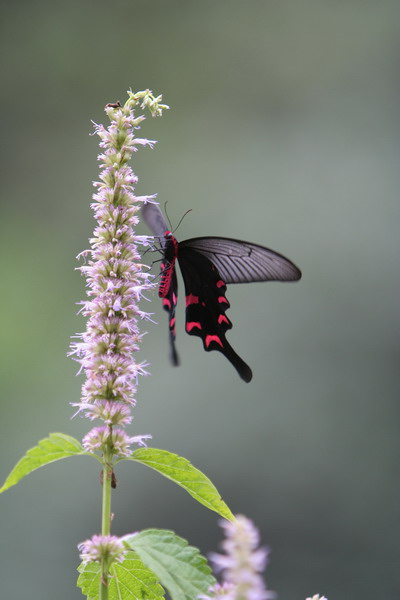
207, 265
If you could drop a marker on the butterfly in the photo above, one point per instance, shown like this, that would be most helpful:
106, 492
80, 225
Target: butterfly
207, 265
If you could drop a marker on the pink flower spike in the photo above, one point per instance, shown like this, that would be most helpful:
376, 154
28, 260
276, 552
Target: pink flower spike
243, 562
116, 280
99, 547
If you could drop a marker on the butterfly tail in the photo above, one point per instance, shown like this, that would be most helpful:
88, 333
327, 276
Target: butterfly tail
241, 367
173, 353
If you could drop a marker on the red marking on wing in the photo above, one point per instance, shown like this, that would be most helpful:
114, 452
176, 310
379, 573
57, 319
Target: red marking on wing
220, 283
174, 298
172, 322
190, 299
166, 302
222, 300
223, 319
191, 324
213, 338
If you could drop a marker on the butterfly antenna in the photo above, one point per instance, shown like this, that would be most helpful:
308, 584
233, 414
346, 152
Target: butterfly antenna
183, 216
169, 220
166, 214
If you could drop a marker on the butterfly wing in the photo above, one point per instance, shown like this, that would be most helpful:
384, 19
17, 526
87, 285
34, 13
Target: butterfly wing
206, 305
169, 304
207, 265
243, 262
155, 221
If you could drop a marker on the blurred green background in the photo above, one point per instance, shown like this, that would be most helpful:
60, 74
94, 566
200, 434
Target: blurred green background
283, 130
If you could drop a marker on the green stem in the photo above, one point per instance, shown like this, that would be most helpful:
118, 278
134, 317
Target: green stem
105, 522
106, 509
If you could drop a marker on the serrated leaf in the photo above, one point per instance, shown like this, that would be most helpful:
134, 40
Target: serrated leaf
89, 580
129, 580
182, 472
181, 569
48, 450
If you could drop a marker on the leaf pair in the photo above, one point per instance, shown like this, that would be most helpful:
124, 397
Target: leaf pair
174, 467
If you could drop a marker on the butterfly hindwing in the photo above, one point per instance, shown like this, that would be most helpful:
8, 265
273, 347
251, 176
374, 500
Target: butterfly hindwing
206, 305
169, 304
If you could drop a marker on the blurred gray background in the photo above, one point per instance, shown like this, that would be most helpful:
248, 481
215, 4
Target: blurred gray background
283, 130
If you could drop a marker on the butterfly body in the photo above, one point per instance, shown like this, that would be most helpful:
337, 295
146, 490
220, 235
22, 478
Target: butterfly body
207, 265
168, 264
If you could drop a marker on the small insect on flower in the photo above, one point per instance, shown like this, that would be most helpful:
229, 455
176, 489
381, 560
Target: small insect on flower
116, 104
208, 264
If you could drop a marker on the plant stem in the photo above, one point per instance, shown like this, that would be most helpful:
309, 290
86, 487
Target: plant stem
106, 509
105, 523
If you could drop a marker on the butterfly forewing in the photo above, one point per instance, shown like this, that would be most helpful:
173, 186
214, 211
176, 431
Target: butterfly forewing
168, 289
155, 221
243, 262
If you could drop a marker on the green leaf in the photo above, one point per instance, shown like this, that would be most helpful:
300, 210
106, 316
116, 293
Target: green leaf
179, 567
129, 580
89, 580
55, 447
182, 472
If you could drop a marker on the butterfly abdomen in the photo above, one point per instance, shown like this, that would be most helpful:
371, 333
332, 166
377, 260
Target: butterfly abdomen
165, 282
